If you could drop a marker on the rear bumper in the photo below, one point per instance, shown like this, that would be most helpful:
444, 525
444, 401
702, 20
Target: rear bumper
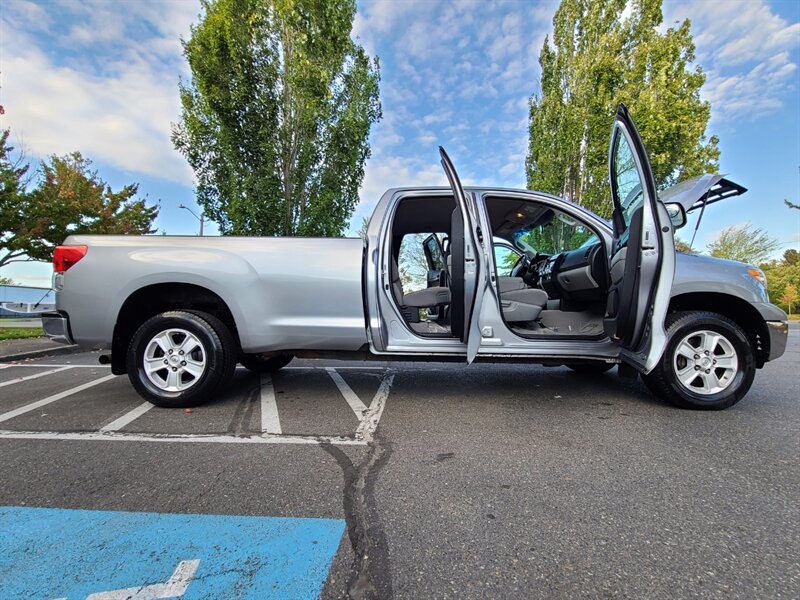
778, 336
56, 327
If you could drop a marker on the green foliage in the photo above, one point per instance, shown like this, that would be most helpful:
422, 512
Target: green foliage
596, 60
275, 121
20, 333
780, 276
791, 204
682, 246
789, 296
791, 256
7, 281
67, 197
743, 243
362, 231
555, 237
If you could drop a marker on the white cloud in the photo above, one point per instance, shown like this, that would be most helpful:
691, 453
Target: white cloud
397, 171
115, 102
437, 117
750, 93
745, 49
122, 120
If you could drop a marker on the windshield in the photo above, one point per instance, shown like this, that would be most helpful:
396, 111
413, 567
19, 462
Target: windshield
554, 237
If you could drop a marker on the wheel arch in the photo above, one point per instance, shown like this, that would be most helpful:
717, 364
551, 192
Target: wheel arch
153, 299
740, 311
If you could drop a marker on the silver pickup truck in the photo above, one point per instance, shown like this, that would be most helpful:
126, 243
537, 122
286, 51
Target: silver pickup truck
512, 275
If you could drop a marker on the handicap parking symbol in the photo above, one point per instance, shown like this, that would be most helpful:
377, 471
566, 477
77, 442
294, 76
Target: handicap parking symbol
64, 554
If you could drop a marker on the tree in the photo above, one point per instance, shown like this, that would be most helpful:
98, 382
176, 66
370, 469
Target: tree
791, 256
276, 118
685, 247
7, 281
780, 275
596, 60
68, 198
791, 204
362, 231
789, 296
743, 243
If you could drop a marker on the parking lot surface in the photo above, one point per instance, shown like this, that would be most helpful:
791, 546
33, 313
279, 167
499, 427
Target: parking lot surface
381, 480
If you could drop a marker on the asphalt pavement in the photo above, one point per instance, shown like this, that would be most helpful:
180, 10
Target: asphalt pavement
499, 481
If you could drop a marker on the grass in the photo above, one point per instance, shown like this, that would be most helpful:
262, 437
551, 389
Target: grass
20, 333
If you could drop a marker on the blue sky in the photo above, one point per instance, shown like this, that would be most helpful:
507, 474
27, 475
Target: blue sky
101, 77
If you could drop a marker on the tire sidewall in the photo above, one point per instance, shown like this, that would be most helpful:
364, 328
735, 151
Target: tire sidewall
744, 353
212, 346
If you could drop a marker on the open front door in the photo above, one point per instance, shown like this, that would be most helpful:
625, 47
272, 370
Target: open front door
465, 264
642, 262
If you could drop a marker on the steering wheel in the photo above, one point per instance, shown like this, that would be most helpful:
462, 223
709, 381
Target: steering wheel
521, 267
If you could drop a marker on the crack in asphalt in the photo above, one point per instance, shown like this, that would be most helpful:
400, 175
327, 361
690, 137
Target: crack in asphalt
242, 416
370, 576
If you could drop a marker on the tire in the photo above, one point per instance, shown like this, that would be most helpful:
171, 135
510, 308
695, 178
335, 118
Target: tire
708, 364
190, 379
258, 363
592, 368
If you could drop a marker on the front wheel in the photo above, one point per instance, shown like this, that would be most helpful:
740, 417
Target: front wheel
708, 364
181, 358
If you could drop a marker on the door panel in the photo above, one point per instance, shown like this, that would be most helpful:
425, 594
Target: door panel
637, 269
464, 265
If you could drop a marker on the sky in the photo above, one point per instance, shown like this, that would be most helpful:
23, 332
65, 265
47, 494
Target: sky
101, 76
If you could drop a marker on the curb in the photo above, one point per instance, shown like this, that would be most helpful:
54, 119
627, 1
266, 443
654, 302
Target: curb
55, 350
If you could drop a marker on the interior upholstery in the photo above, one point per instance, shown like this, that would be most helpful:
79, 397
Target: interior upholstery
522, 304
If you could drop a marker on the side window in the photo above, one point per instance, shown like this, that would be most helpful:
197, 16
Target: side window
412, 262
627, 179
434, 253
505, 258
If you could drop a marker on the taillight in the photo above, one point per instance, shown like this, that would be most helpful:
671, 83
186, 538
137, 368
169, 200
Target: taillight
66, 256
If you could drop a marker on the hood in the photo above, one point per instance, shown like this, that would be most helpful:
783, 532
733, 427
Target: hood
704, 189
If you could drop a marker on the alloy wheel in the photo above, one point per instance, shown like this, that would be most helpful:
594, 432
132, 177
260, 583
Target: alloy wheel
705, 362
174, 360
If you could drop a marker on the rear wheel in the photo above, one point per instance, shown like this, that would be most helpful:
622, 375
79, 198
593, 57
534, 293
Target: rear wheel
258, 363
179, 358
708, 364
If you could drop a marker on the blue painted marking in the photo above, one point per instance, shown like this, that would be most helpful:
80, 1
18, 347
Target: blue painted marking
58, 553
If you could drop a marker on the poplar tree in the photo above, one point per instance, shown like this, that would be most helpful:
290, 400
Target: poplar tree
276, 118
595, 60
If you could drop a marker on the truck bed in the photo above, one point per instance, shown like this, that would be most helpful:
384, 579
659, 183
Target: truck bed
295, 293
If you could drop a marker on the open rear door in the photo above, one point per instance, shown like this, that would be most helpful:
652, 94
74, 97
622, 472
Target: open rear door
465, 265
642, 262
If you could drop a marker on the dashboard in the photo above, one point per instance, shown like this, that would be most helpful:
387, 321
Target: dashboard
579, 275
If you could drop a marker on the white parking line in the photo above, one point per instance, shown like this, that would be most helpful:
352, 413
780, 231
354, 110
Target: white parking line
373, 415
121, 436
354, 401
34, 376
42, 365
270, 422
127, 418
39, 403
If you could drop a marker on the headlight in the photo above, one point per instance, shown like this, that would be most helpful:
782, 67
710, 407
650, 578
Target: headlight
758, 275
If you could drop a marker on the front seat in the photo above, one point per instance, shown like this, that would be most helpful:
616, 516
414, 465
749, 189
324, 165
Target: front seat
518, 301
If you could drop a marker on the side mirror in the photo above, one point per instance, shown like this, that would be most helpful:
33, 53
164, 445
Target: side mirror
677, 214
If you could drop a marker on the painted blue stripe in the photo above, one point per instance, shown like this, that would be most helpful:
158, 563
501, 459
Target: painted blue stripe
55, 553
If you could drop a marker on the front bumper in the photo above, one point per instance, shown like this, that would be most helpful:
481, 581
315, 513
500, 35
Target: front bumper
778, 336
56, 327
